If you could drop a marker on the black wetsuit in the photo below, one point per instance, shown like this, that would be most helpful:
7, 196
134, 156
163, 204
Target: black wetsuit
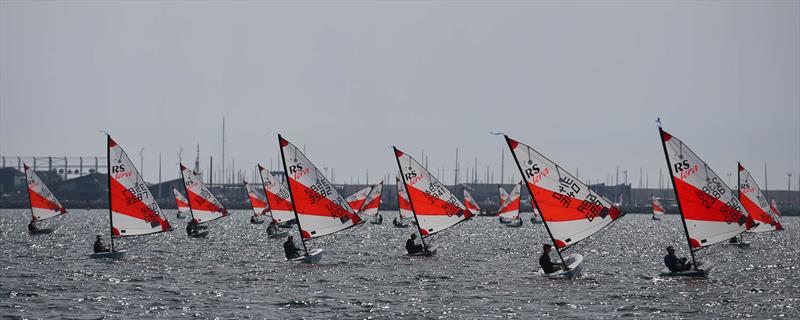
31, 227
675, 265
100, 247
190, 229
412, 247
290, 250
547, 265
272, 230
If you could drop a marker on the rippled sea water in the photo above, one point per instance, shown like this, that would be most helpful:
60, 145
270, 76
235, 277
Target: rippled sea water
482, 270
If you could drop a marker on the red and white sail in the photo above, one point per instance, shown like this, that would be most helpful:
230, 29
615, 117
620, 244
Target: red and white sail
510, 209
319, 207
470, 203
134, 211
435, 207
180, 200
44, 204
755, 203
373, 201
258, 201
402, 200
278, 200
712, 213
774, 207
503, 195
658, 209
204, 205
357, 200
570, 209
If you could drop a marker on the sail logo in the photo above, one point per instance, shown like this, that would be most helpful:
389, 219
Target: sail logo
298, 171
535, 175
120, 172
413, 178
685, 170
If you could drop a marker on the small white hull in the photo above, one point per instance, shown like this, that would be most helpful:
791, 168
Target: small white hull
278, 235
701, 272
313, 256
115, 255
574, 268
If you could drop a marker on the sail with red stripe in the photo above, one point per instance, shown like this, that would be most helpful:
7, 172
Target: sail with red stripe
204, 206
434, 207
402, 200
357, 200
510, 209
774, 207
180, 200
470, 203
373, 201
711, 212
278, 200
658, 209
258, 201
134, 211
503, 196
570, 210
755, 203
44, 204
319, 208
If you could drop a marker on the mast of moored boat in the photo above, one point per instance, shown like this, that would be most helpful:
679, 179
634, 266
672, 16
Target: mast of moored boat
410, 202
677, 199
291, 197
533, 199
108, 168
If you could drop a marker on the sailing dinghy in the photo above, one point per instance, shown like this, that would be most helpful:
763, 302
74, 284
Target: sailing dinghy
571, 212
756, 205
658, 209
203, 205
318, 207
372, 204
357, 199
470, 203
509, 212
183, 204
43, 203
132, 209
258, 202
710, 212
434, 208
278, 202
404, 207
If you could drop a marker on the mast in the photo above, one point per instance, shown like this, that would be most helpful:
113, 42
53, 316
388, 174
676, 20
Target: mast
27, 184
677, 199
541, 212
399, 166
269, 206
296, 217
371, 188
108, 168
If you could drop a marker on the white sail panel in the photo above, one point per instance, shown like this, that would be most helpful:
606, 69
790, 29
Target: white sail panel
434, 206
204, 205
712, 212
258, 200
570, 209
44, 204
134, 211
774, 208
402, 200
278, 200
180, 200
319, 207
755, 203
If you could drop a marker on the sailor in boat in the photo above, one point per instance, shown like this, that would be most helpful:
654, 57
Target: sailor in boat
99, 246
379, 219
191, 228
412, 246
544, 261
32, 227
733, 240
272, 229
397, 222
675, 264
253, 219
289, 249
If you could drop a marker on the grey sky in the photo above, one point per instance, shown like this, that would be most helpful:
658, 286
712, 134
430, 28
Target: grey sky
582, 82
